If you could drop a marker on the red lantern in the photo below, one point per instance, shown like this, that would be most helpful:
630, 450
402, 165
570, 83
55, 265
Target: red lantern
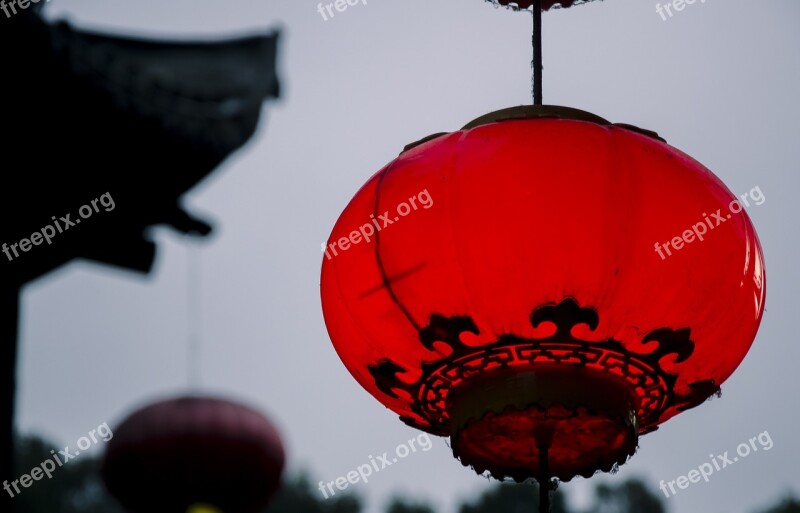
522, 306
194, 451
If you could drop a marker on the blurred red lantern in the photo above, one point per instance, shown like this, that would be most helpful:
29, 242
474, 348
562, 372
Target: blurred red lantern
525, 312
191, 452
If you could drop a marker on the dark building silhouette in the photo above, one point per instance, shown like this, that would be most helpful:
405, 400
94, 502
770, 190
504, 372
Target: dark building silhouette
89, 120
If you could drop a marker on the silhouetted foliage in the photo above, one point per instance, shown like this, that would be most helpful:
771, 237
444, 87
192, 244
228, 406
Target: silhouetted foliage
513, 498
399, 505
631, 496
787, 505
298, 495
74, 488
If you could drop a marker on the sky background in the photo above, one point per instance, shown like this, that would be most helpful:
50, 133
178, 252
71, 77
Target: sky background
718, 80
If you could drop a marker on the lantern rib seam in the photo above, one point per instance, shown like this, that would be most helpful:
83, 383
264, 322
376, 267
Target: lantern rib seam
386, 282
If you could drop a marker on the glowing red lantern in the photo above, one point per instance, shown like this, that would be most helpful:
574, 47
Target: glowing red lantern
194, 452
522, 306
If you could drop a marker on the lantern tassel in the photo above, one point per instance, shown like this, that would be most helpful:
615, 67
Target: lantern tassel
537, 52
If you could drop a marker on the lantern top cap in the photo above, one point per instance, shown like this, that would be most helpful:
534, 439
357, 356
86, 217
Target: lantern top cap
534, 112
553, 112
527, 112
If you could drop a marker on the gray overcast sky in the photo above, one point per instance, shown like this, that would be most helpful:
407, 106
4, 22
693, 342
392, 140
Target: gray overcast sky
97, 342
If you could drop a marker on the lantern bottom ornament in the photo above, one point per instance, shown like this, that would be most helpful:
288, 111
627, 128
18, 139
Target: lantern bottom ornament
551, 407
547, 422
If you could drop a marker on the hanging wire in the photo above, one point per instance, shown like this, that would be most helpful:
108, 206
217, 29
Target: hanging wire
543, 434
537, 52
544, 478
194, 312
536, 64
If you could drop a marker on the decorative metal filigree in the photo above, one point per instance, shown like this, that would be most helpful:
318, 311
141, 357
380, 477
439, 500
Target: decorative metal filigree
652, 384
518, 5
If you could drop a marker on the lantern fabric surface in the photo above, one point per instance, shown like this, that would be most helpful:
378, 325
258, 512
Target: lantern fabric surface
525, 309
193, 451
